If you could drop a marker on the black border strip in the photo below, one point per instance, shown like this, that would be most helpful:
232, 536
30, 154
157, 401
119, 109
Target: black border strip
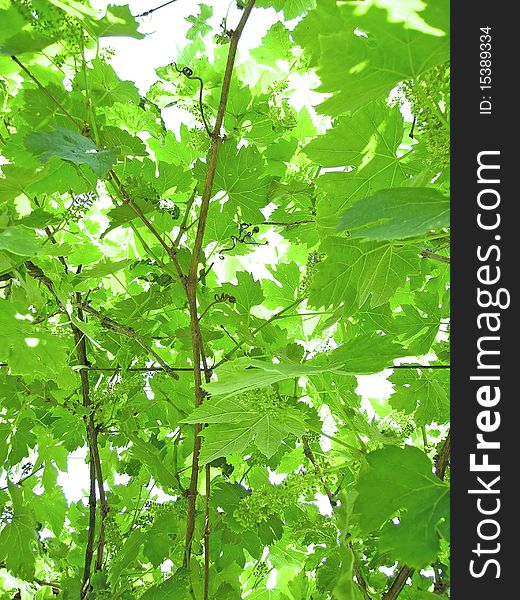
475, 130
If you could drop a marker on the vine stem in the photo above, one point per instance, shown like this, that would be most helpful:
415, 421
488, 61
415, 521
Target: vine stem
95, 461
96, 474
435, 256
190, 286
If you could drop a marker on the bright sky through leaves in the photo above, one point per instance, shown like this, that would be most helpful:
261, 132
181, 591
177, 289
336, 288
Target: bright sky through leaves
224, 300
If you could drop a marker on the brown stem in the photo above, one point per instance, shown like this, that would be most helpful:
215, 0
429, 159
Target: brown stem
48, 94
312, 459
443, 458
216, 139
81, 353
89, 550
441, 463
399, 582
108, 323
362, 584
190, 283
95, 463
288, 224
435, 256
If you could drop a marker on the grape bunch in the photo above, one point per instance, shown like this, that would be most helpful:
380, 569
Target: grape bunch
397, 423
113, 536
265, 400
55, 23
429, 96
313, 260
271, 501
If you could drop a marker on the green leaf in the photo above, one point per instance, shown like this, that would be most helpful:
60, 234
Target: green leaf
360, 68
17, 538
396, 214
127, 554
199, 23
105, 87
240, 174
424, 392
367, 140
17, 36
346, 588
154, 462
118, 21
72, 147
19, 240
276, 45
399, 482
173, 587
244, 425
355, 271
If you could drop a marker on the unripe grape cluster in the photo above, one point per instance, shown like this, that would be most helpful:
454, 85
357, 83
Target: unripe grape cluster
271, 501
113, 537
265, 400
429, 96
398, 423
57, 24
313, 260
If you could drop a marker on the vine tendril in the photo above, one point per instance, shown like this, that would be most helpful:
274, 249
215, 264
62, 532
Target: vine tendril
188, 73
244, 237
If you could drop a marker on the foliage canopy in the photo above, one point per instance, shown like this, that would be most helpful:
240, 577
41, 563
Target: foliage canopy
188, 311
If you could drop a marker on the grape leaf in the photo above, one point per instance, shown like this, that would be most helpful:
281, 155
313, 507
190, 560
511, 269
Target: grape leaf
239, 174
355, 271
244, 425
17, 538
397, 213
399, 481
72, 147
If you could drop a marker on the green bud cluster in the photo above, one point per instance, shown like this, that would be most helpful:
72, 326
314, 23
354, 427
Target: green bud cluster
429, 96
271, 501
398, 423
264, 400
55, 23
313, 260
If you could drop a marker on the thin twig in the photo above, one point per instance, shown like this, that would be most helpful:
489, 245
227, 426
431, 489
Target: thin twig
435, 256
95, 461
47, 93
152, 10
89, 550
207, 531
126, 331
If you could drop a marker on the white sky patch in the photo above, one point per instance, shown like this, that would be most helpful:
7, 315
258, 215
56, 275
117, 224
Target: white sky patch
166, 29
373, 387
271, 579
75, 482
